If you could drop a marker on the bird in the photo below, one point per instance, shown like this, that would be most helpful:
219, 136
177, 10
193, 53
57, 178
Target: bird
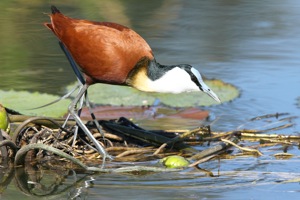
111, 53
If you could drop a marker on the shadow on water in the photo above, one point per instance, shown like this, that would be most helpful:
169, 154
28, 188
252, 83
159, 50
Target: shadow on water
251, 44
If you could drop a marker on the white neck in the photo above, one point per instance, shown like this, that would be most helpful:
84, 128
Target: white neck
176, 80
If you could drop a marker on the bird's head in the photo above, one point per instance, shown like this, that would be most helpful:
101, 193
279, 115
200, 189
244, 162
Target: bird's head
182, 78
154, 77
196, 78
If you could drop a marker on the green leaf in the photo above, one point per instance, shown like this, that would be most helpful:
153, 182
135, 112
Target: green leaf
23, 102
174, 162
122, 95
3, 118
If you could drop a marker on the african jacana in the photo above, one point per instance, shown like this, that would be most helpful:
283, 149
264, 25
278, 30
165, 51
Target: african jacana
114, 54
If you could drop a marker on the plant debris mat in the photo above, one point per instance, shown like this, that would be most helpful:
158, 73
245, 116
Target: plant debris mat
43, 141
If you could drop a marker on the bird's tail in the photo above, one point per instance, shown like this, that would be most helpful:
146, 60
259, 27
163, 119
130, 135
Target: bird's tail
54, 10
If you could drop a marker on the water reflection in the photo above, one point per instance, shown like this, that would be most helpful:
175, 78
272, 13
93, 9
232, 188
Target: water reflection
47, 184
236, 176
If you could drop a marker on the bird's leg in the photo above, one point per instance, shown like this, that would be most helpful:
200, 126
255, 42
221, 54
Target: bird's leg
74, 114
82, 91
87, 102
79, 86
72, 63
82, 81
78, 112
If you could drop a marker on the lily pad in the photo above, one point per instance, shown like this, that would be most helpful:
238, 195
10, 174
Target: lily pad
127, 96
23, 102
144, 112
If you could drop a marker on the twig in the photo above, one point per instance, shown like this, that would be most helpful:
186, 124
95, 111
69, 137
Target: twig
119, 148
179, 138
242, 148
159, 149
276, 115
108, 136
213, 150
283, 155
135, 151
278, 127
218, 135
36, 120
268, 136
20, 157
22, 118
202, 160
10, 144
3, 149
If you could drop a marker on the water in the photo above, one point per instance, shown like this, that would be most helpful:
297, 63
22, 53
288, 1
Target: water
251, 44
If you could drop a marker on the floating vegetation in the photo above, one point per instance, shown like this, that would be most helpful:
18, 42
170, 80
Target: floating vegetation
41, 143
120, 95
24, 102
39, 139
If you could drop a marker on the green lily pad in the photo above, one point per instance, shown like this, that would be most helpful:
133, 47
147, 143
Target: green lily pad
127, 96
23, 102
